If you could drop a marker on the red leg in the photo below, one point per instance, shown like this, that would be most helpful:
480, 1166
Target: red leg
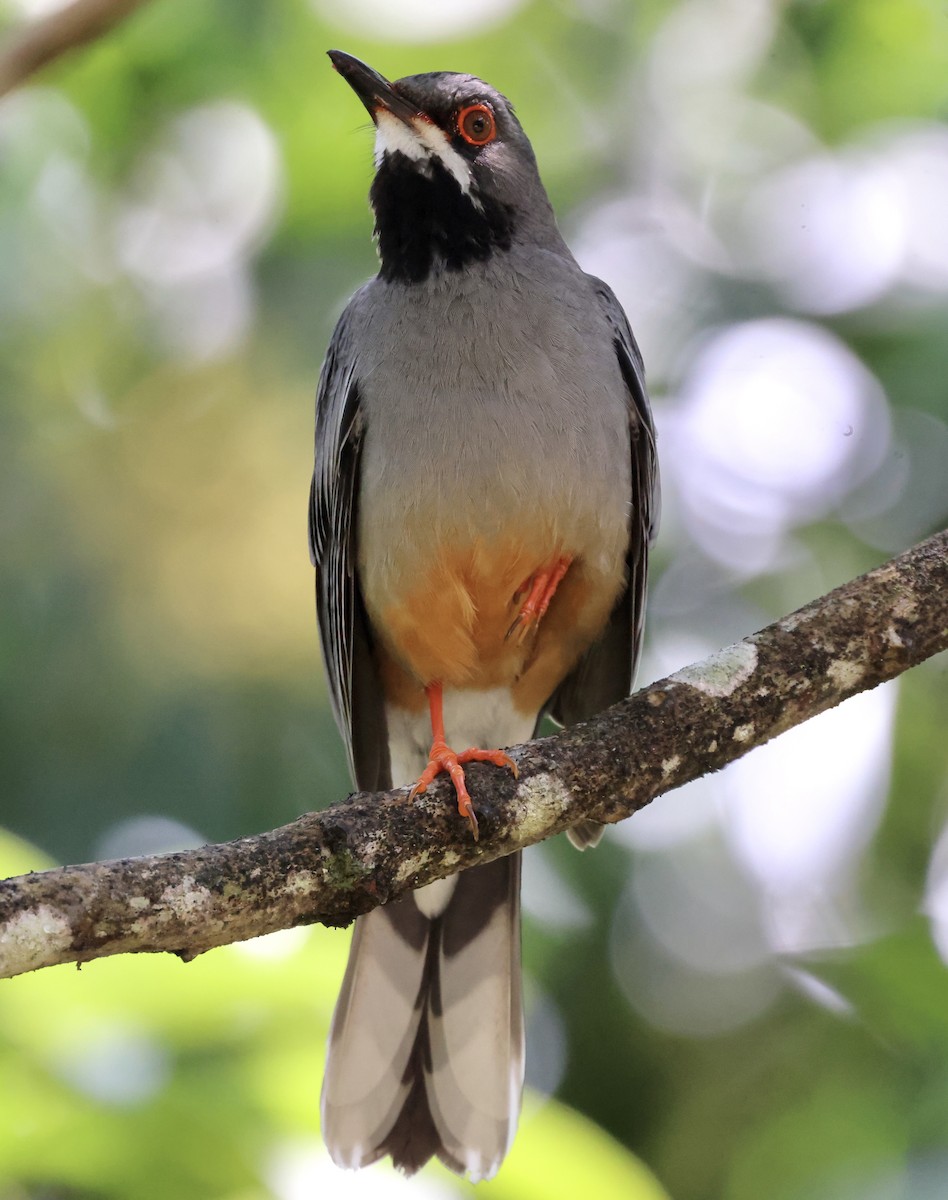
443, 759
540, 589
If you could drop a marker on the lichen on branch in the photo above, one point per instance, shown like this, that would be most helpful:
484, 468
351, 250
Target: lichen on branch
331, 866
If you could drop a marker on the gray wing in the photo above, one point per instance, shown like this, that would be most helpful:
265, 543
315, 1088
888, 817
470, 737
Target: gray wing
344, 631
605, 673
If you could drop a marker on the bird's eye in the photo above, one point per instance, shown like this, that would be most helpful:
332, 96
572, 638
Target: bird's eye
476, 124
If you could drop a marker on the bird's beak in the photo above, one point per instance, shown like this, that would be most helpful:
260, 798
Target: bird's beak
373, 89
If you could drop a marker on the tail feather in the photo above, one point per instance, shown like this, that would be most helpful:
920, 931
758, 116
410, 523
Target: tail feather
373, 1035
585, 835
426, 1047
413, 1138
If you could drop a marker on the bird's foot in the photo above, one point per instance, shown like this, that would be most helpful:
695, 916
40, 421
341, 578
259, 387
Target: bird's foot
444, 761
539, 590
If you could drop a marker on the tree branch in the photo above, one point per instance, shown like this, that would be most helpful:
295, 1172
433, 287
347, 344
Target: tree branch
42, 41
331, 866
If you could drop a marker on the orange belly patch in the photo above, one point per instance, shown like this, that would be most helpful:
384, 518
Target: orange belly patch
453, 625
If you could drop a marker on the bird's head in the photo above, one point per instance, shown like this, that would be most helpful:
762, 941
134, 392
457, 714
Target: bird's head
455, 177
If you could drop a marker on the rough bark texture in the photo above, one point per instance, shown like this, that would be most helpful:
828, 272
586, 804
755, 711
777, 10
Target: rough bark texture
331, 866
41, 41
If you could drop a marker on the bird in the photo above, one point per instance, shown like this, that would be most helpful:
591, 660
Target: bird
483, 501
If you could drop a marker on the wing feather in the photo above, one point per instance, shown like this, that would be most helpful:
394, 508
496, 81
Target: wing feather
344, 631
605, 673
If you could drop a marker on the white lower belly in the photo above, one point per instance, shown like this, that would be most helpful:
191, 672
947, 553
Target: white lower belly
486, 719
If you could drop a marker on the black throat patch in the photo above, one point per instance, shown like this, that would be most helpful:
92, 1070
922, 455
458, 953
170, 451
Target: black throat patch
424, 221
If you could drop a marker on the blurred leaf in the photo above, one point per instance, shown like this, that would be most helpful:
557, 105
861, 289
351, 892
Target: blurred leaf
559, 1155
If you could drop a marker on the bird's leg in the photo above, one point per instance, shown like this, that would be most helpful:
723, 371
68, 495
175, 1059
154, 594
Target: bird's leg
540, 589
443, 760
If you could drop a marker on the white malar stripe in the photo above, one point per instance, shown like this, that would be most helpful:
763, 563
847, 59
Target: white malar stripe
393, 136
436, 141
421, 142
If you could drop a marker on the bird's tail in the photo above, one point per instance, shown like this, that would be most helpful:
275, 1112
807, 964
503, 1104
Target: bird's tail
426, 1049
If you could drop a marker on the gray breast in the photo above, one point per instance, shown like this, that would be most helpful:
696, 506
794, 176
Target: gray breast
490, 394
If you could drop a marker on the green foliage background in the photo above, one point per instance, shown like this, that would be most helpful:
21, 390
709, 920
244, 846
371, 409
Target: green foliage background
157, 642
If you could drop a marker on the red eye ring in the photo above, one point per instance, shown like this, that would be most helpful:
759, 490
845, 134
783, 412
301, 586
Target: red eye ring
476, 124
